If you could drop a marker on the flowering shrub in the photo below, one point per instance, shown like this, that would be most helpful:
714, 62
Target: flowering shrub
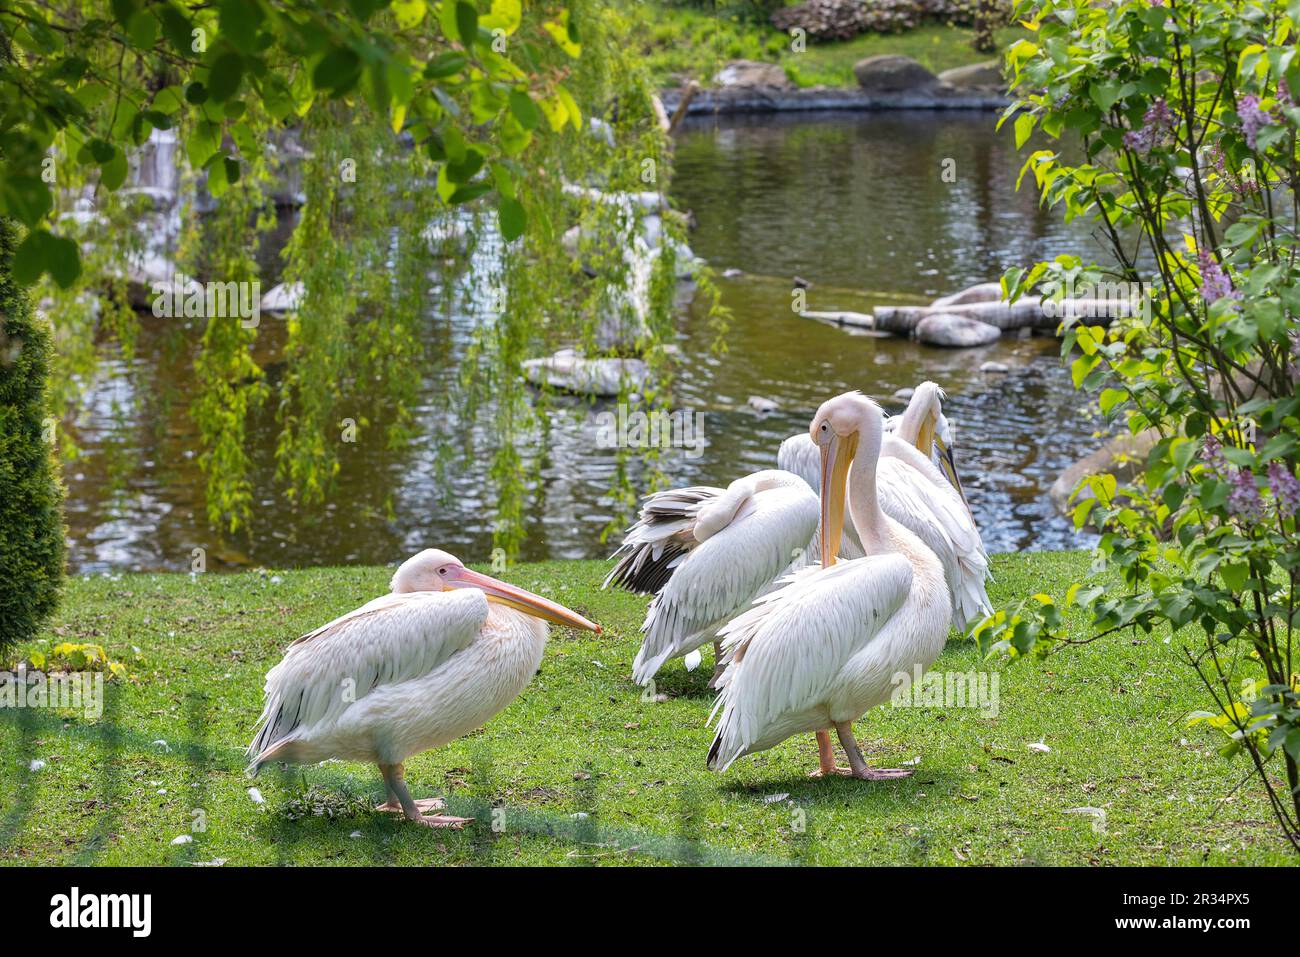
1186, 111
841, 19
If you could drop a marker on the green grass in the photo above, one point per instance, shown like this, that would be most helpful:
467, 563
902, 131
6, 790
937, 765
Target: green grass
582, 740
682, 44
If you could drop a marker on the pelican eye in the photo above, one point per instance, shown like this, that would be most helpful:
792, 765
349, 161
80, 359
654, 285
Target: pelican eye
442, 570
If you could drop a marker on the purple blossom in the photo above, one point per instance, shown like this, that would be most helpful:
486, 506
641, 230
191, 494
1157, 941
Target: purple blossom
1212, 452
1215, 284
1244, 501
1157, 120
1252, 118
1238, 184
1286, 488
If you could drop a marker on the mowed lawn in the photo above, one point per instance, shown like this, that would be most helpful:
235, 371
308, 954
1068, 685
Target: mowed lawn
584, 768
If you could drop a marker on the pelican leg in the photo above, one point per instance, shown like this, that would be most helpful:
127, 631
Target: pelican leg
395, 782
858, 764
392, 805
826, 758
718, 666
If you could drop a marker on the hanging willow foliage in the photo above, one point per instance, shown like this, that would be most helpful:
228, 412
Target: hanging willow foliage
388, 269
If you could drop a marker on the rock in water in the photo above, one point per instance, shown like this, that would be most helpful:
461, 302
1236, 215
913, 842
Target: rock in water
751, 73
889, 73
984, 292
286, 297
961, 332
570, 372
975, 76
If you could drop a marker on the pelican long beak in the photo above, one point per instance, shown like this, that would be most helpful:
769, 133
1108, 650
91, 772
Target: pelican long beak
837, 456
505, 594
928, 437
950, 469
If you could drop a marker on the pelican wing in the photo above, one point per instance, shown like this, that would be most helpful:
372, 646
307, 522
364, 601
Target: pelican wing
661, 537
799, 455
743, 539
392, 639
917, 496
785, 653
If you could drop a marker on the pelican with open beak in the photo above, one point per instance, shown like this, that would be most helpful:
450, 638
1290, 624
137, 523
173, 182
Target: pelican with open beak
446, 650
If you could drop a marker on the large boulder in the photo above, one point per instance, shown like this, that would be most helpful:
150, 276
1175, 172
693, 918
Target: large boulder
889, 73
954, 331
975, 76
984, 292
747, 74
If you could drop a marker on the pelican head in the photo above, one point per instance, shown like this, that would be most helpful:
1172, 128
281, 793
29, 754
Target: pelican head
436, 570
840, 427
923, 425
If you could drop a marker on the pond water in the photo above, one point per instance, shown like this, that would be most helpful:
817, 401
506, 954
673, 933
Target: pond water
855, 204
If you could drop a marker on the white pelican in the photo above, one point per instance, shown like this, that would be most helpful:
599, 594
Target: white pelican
445, 651
706, 553
819, 652
919, 487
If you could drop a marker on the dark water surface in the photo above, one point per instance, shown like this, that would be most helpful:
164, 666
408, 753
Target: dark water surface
853, 203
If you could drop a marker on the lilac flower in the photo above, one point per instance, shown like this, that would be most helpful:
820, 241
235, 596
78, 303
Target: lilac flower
1157, 120
1212, 452
1241, 185
1252, 118
1286, 488
1215, 284
1244, 501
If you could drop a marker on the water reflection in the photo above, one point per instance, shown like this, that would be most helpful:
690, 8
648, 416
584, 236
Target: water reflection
854, 203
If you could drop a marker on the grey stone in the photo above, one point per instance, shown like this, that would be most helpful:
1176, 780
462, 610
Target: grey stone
954, 331
976, 76
751, 73
890, 73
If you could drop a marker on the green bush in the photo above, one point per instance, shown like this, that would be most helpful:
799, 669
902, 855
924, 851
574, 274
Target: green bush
31, 526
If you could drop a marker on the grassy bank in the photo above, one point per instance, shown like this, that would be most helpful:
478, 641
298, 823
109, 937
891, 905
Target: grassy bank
686, 44
585, 769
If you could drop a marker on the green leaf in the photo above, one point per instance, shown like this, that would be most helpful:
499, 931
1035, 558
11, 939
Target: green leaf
338, 71
143, 30
464, 194
524, 109
466, 23
1024, 127
26, 198
463, 170
1235, 575
445, 65
1292, 744
43, 252
510, 215
176, 28
225, 76
113, 173
1110, 398
409, 13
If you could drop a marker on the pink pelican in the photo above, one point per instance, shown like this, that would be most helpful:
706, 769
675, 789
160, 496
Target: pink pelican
918, 485
438, 656
819, 652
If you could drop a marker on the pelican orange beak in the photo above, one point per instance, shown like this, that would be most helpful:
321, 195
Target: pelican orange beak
837, 456
512, 597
